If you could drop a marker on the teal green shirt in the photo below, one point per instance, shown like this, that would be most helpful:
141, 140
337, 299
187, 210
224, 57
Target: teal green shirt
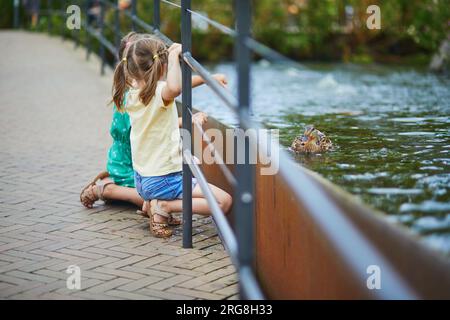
120, 165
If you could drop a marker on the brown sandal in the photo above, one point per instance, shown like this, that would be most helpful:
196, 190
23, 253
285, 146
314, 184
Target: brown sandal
172, 221
87, 198
158, 229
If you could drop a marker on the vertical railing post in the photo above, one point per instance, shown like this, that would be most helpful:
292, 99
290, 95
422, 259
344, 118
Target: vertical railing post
156, 14
88, 30
102, 29
133, 15
77, 33
187, 122
16, 13
50, 16
244, 192
117, 30
63, 20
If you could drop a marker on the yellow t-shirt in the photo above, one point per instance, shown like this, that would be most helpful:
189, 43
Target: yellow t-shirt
155, 136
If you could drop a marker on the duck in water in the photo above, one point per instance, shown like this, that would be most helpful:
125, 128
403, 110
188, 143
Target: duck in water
312, 141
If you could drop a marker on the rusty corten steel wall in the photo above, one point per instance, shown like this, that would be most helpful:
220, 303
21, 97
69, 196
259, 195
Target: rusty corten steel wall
213, 171
294, 259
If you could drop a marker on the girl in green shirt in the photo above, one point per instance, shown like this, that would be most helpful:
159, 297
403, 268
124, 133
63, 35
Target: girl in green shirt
117, 183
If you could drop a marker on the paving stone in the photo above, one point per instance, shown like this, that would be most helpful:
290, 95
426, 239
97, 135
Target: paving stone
108, 285
19, 288
229, 290
141, 283
43, 289
96, 263
219, 284
120, 273
150, 272
176, 270
170, 282
159, 259
29, 276
126, 262
212, 276
213, 265
11, 279
106, 252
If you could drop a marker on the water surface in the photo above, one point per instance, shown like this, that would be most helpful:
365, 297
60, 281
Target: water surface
391, 128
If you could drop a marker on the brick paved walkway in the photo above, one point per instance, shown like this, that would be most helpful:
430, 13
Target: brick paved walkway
54, 137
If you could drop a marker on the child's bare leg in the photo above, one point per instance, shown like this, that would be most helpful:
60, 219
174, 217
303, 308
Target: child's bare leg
34, 20
199, 203
115, 192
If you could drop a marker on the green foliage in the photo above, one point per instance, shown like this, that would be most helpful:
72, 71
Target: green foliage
6, 14
307, 29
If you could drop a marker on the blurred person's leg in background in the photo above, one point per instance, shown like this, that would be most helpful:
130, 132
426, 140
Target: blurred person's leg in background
32, 8
93, 13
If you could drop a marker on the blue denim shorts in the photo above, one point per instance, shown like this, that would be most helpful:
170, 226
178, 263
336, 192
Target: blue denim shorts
168, 187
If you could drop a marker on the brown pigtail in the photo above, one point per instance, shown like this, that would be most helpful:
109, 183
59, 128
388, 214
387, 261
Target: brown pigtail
151, 77
146, 57
120, 79
119, 85
153, 74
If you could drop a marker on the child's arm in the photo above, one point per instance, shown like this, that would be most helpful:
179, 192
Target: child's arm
200, 117
198, 81
173, 86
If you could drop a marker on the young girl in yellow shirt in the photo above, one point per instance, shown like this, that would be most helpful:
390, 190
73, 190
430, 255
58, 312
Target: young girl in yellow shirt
156, 156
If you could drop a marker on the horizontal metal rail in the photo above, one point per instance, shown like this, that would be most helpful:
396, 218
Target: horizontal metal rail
176, 5
105, 42
224, 95
148, 28
226, 30
217, 25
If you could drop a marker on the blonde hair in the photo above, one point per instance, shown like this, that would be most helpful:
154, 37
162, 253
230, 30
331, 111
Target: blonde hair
143, 60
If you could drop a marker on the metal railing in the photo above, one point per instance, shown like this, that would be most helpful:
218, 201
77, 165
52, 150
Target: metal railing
350, 243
